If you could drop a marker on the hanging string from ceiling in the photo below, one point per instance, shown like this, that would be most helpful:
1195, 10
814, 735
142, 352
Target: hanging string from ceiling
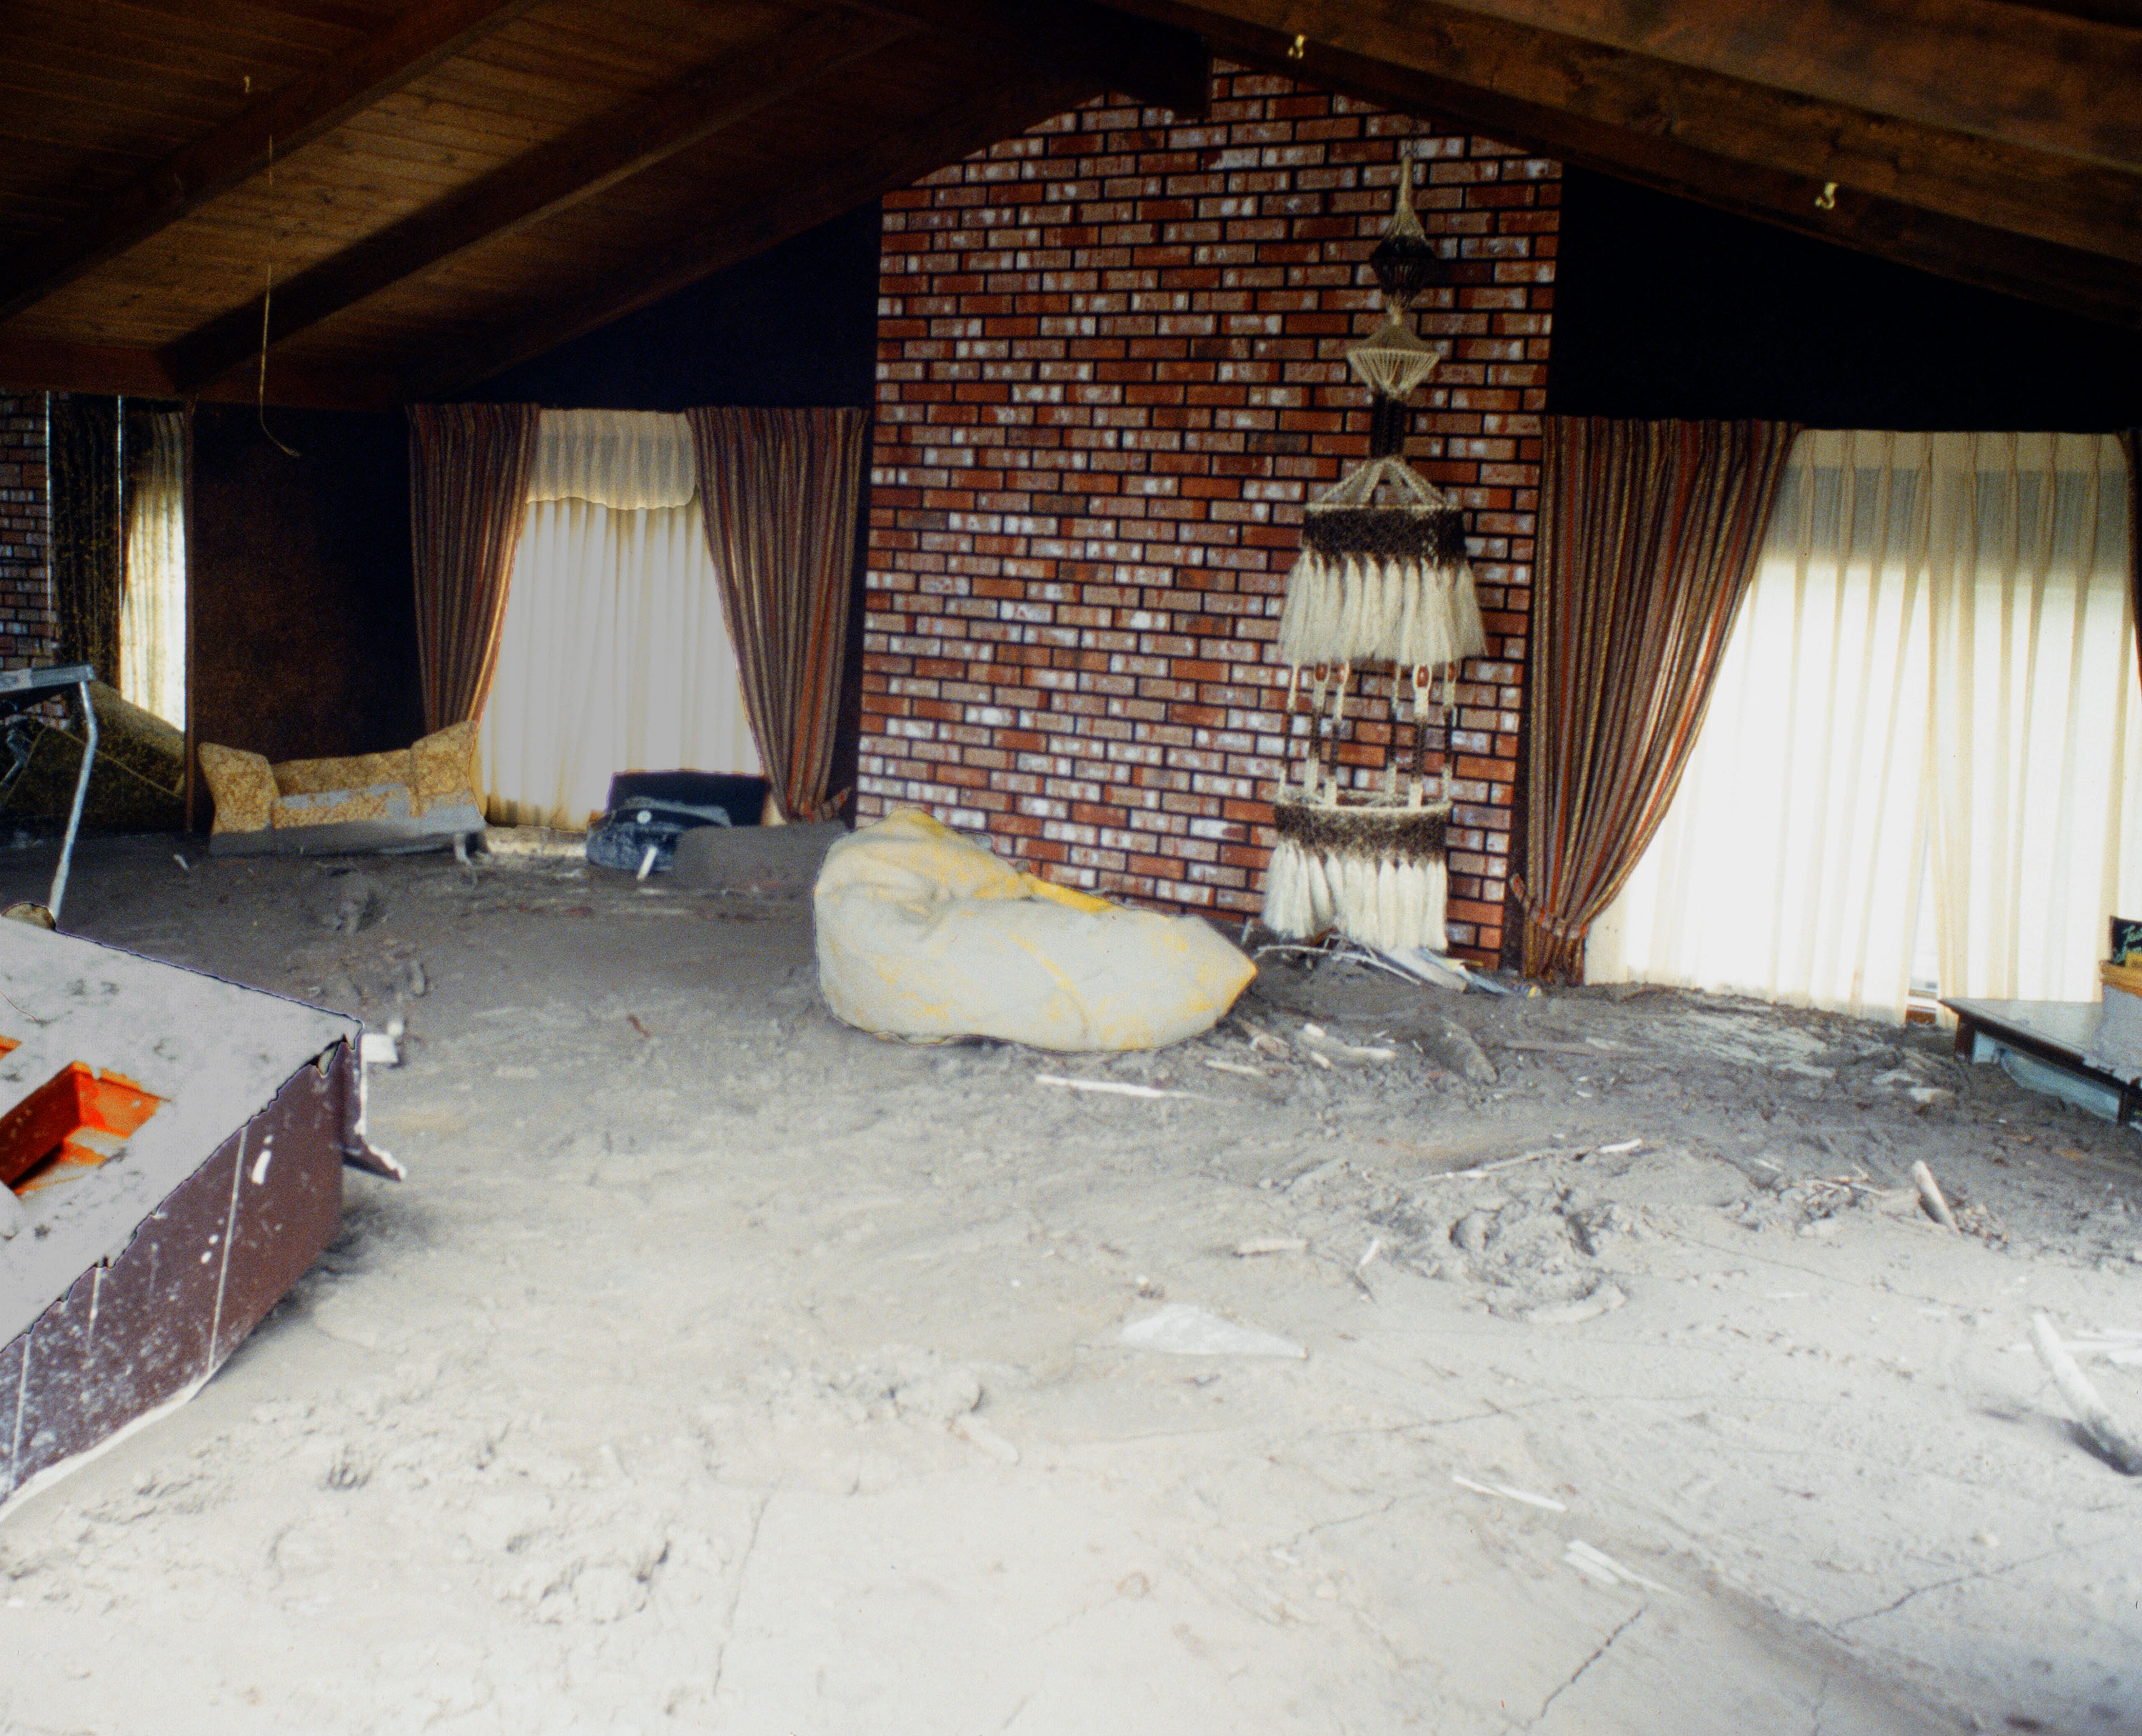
267, 304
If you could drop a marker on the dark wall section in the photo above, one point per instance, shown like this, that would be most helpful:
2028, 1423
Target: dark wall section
1667, 309
305, 631
797, 325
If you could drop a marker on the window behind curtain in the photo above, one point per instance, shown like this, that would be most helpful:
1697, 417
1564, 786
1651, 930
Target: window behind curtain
614, 655
1930, 695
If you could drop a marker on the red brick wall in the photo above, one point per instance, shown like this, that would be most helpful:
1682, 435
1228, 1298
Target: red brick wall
1110, 371
29, 630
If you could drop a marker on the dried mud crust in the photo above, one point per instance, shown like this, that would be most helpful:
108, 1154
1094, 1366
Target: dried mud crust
720, 1367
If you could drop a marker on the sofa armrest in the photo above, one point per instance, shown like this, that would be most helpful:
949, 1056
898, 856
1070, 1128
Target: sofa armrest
445, 768
243, 786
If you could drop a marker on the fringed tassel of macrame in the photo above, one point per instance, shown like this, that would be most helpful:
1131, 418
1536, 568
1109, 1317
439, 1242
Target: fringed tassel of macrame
1379, 581
1378, 875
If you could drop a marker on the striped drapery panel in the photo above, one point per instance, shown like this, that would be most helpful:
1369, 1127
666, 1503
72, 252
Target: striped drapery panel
85, 530
2131, 438
469, 466
780, 489
1648, 535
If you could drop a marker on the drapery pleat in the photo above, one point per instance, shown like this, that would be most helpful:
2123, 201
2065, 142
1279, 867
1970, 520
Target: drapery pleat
1790, 864
2131, 441
1928, 721
85, 509
1647, 536
152, 604
632, 460
2036, 824
779, 488
469, 466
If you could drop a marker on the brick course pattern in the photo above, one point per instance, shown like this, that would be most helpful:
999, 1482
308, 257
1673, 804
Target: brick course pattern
1110, 373
29, 629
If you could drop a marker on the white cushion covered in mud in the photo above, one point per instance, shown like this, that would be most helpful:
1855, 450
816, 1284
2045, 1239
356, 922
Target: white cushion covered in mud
923, 934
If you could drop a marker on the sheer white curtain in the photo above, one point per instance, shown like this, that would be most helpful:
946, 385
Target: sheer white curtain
1933, 665
152, 600
2038, 833
614, 655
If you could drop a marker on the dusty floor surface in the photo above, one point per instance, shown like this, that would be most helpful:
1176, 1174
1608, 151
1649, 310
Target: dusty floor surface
720, 1368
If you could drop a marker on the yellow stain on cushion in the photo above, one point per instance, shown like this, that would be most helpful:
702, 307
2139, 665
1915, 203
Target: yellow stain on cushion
1068, 896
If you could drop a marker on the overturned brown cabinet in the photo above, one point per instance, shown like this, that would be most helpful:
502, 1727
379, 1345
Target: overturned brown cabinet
172, 1147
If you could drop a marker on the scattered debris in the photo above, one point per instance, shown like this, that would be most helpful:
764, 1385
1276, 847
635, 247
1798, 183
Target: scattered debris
1436, 969
1184, 1330
1109, 1087
1311, 1177
1504, 1490
1320, 1042
346, 901
1930, 1196
2121, 1446
1597, 1565
1269, 1244
975, 1432
1235, 1068
1507, 1163
1602, 1298
2118, 1346
1451, 1045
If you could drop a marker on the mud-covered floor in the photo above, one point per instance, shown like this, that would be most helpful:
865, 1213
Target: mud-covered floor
720, 1368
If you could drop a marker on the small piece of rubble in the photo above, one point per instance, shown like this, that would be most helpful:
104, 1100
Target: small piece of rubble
346, 900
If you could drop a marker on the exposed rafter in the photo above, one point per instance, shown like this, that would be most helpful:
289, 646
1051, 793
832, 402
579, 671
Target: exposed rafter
281, 122
2057, 231
1000, 110
39, 364
1161, 65
572, 167
2071, 85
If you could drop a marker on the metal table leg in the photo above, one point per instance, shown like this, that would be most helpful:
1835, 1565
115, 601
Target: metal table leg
81, 794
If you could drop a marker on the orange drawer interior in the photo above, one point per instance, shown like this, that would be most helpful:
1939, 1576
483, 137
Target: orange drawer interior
74, 1121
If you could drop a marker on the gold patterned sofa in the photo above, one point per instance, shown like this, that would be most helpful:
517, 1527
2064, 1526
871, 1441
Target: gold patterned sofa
417, 798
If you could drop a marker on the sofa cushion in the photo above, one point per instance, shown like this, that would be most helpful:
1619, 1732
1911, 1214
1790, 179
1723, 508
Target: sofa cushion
323, 806
243, 786
356, 771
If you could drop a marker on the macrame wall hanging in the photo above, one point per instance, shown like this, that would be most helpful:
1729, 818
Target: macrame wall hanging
1382, 582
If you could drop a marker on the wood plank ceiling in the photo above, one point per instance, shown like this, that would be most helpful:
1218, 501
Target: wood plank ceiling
442, 189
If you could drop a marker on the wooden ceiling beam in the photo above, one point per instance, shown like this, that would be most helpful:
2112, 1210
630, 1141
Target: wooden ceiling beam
277, 124
1162, 66
1493, 91
2066, 84
1001, 109
572, 167
35, 365
2071, 204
